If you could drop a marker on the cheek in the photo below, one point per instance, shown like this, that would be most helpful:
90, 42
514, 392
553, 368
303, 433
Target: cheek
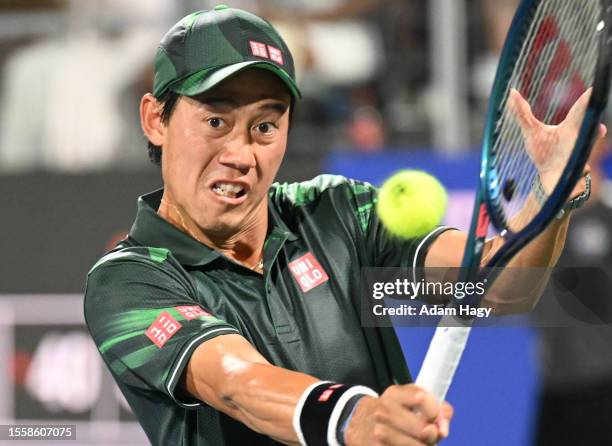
270, 161
280, 153
188, 153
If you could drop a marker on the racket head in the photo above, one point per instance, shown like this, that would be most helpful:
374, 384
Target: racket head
539, 36
447, 346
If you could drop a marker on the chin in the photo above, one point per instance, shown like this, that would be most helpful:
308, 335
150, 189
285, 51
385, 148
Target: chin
222, 226
225, 221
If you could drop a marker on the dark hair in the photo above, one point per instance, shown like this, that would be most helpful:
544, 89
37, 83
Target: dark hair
169, 100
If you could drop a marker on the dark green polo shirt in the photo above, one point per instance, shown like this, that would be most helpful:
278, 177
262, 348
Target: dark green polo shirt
151, 301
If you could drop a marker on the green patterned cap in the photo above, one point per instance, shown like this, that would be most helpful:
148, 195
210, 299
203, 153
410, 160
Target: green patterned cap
207, 47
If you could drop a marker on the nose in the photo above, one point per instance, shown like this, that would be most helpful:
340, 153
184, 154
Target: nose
239, 156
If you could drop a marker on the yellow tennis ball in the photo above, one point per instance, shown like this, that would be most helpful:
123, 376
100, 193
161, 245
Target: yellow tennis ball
411, 203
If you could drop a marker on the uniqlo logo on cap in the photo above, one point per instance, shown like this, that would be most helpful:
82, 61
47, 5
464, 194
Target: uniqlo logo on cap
164, 327
259, 49
308, 272
192, 312
276, 55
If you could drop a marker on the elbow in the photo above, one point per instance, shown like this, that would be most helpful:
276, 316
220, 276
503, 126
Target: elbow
505, 306
520, 295
220, 373
513, 309
242, 384
233, 378
240, 380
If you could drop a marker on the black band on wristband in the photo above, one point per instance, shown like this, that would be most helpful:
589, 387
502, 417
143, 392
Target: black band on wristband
319, 410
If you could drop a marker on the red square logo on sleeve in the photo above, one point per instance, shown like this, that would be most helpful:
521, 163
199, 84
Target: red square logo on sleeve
192, 312
308, 272
164, 327
258, 49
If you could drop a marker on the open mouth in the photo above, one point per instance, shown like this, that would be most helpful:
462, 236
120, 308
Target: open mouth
228, 190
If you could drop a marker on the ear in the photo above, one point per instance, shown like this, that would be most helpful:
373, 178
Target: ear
151, 119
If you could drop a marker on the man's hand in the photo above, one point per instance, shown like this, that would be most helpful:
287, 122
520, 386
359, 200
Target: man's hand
402, 416
549, 146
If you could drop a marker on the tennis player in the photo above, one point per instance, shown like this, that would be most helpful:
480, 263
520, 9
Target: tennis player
230, 314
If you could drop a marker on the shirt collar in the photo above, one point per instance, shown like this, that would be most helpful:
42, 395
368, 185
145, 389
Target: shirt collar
149, 229
277, 222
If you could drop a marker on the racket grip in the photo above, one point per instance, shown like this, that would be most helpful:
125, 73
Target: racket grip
442, 358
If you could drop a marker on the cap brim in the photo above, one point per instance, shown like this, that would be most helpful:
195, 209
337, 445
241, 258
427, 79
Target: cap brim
204, 80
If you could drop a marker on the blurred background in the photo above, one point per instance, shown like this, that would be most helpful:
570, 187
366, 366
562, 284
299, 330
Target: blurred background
386, 84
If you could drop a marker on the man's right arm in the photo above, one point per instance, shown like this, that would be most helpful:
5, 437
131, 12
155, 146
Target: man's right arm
229, 374
151, 332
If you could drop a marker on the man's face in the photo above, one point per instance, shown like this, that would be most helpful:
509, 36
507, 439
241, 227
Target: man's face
222, 151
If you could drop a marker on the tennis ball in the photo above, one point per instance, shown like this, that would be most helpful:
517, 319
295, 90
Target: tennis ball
411, 203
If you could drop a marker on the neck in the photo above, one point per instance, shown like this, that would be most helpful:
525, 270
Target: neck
244, 244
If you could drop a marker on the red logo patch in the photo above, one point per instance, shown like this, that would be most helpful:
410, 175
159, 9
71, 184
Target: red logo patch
164, 327
192, 312
259, 49
276, 55
308, 272
328, 393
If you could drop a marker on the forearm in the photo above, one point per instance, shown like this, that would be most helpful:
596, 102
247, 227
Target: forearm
520, 286
264, 398
228, 374
234, 379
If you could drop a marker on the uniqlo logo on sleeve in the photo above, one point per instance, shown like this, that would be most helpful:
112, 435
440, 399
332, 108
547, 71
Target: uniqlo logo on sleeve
308, 272
164, 327
276, 55
192, 312
259, 49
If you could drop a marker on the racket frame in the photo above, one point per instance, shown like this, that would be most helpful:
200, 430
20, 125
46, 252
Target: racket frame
489, 185
448, 343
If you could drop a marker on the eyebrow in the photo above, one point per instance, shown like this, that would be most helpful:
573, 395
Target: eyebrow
279, 107
219, 101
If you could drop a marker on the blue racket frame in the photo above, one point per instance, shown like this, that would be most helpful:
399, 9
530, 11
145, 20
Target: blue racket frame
488, 191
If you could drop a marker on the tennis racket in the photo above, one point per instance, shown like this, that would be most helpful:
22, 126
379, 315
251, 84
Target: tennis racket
555, 68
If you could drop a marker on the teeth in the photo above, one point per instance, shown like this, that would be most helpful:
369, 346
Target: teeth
227, 190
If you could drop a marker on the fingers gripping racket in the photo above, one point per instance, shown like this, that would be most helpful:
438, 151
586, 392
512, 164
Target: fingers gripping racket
552, 79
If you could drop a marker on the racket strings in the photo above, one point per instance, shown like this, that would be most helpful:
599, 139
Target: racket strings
539, 79
547, 55
513, 154
567, 22
544, 34
554, 66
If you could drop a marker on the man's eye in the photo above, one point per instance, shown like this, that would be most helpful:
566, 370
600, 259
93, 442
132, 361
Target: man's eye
265, 127
215, 122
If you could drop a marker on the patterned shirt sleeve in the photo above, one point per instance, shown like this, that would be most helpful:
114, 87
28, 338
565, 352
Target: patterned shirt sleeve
142, 312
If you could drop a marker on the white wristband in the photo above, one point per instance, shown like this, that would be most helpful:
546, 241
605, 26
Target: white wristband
318, 411
332, 427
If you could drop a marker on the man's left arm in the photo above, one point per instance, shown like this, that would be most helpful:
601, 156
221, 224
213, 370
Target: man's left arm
533, 264
520, 286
